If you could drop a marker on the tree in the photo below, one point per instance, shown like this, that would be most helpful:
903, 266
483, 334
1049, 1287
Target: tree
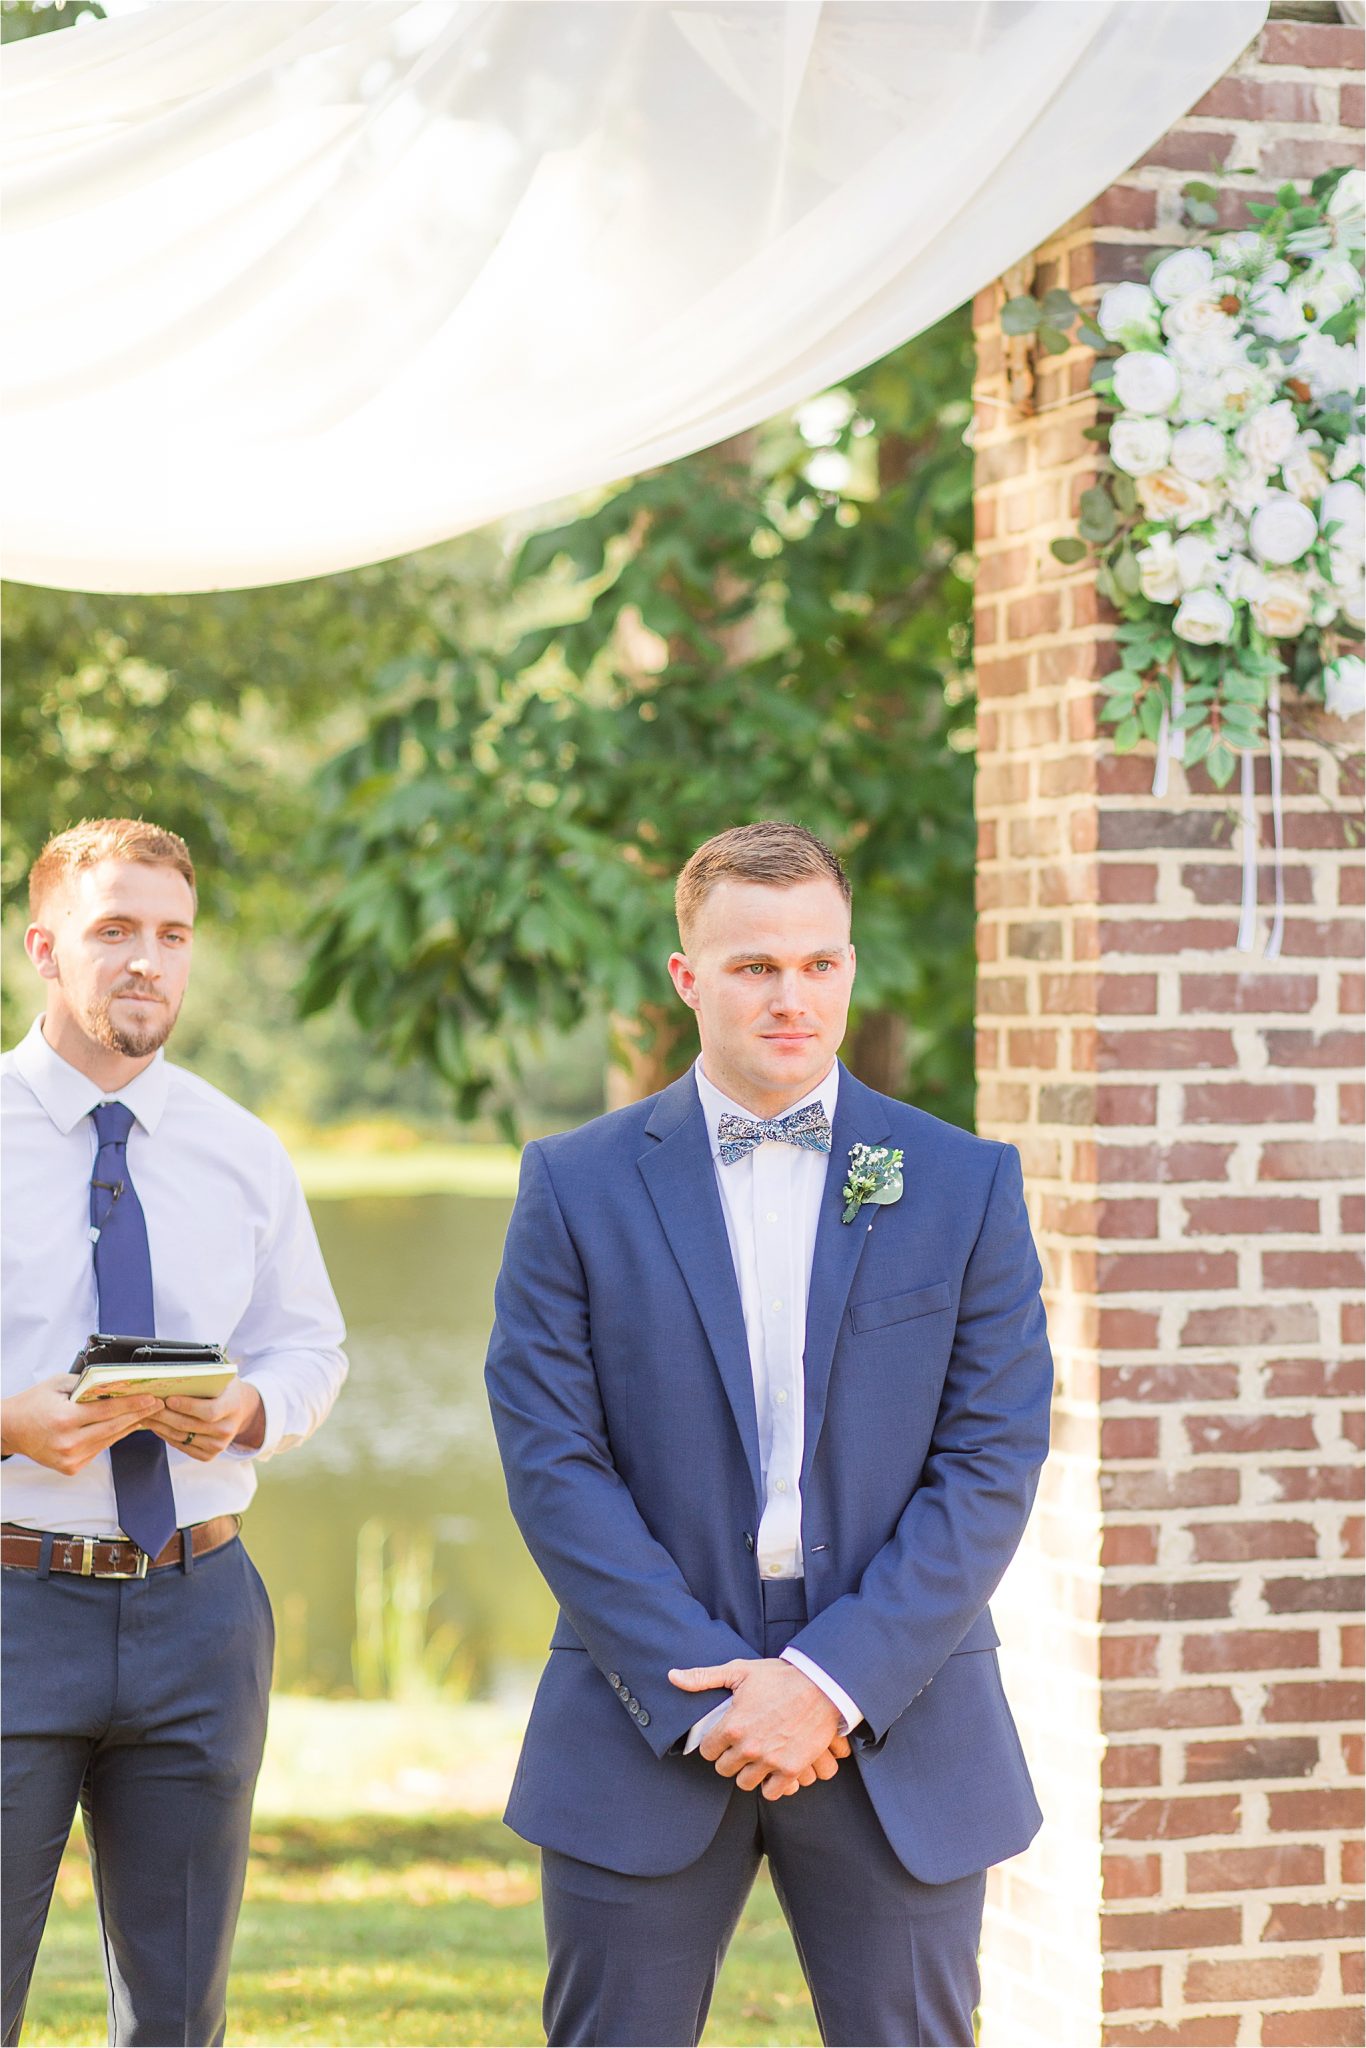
784, 635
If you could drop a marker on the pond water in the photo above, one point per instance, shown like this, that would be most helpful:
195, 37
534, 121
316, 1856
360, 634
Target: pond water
409, 1451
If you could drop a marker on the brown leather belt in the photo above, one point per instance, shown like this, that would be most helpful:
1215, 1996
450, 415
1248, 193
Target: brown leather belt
99, 1557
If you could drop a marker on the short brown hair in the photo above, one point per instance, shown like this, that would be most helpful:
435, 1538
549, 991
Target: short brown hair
96, 839
771, 851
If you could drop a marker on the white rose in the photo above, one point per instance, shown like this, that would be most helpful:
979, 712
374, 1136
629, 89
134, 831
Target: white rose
1352, 603
1198, 315
1204, 618
1282, 528
1241, 578
1127, 312
1344, 686
1268, 434
1145, 381
1347, 570
1201, 397
1198, 451
1282, 607
1158, 575
1304, 470
1139, 446
1228, 531
1345, 504
1169, 496
1349, 456
1197, 561
1179, 275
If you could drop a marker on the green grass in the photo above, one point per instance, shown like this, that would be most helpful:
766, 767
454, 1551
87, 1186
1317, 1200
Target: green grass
373, 1929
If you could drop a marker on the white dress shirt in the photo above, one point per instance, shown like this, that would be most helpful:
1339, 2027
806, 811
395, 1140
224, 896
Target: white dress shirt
771, 1200
234, 1261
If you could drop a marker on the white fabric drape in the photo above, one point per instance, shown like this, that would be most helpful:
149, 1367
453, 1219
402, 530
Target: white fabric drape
294, 285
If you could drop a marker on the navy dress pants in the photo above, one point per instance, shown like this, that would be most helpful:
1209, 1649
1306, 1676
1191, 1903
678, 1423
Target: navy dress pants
889, 1962
143, 1701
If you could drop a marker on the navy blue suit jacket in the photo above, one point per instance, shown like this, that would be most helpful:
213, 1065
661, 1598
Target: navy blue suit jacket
622, 1398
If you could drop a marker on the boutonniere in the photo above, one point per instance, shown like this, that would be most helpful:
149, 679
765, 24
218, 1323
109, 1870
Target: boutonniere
874, 1176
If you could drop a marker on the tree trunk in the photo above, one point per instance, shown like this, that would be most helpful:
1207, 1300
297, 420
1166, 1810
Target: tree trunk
657, 1047
876, 1052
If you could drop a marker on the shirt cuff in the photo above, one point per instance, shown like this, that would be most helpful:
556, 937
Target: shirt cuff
699, 1728
272, 1416
849, 1711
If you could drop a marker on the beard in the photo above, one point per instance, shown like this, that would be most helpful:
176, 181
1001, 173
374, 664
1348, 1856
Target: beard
133, 1041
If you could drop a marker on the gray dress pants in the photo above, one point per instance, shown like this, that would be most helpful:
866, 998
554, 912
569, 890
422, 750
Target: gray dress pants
143, 1701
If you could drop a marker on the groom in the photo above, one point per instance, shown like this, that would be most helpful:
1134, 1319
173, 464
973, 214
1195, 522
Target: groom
771, 1385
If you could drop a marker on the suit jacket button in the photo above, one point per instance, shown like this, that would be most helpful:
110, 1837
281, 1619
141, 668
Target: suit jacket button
614, 1679
635, 1706
644, 1718
749, 1541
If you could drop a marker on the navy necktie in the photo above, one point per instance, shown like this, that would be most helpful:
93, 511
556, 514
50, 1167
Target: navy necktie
123, 1276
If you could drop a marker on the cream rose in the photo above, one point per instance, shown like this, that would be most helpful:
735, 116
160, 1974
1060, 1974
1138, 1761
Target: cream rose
1198, 315
1204, 617
1158, 574
1281, 529
1139, 446
1199, 451
1169, 496
1184, 272
1282, 607
1146, 382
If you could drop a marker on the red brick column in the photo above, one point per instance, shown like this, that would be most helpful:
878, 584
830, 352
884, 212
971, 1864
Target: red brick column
1183, 1623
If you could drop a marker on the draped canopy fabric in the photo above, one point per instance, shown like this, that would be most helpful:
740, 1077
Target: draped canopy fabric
295, 285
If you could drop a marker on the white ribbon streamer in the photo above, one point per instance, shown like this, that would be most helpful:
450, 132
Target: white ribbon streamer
1273, 731
1247, 922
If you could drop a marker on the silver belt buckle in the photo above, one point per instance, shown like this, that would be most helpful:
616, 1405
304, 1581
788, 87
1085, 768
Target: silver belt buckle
139, 1570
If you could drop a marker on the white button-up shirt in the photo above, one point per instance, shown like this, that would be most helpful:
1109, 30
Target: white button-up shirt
235, 1261
771, 1200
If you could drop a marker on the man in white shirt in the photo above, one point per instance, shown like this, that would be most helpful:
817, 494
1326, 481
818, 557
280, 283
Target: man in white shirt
771, 1385
138, 1637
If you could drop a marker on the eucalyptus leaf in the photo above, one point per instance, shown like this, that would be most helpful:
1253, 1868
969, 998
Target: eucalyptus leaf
1069, 549
1021, 315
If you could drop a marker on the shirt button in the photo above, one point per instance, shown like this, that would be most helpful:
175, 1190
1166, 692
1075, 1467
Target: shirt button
777, 1304
772, 1216
774, 1571
781, 1395
780, 1486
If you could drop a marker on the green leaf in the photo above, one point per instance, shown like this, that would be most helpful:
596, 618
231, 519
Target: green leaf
1021, 315
1125, 571
1124, 493
1059, 308
1053, 341
1097, 521
1069, 549
1150, 714
1197, 745
1196, 188
1220, 761
1127, 736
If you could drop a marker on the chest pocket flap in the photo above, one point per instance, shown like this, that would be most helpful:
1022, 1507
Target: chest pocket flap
899, 1308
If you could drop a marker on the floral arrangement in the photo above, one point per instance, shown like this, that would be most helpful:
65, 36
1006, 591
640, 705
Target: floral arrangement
1229, 517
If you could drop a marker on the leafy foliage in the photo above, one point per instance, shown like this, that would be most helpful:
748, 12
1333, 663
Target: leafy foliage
778, 628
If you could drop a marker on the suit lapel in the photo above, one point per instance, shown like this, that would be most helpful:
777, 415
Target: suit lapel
860, 1119
678, 1171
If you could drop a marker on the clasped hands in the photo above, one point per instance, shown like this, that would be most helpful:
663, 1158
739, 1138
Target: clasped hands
45, 1424
779, 1733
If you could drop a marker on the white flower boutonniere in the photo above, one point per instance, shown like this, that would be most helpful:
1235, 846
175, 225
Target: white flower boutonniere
874, 1176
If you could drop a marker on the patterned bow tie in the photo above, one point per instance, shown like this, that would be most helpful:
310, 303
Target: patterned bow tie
808, 1127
